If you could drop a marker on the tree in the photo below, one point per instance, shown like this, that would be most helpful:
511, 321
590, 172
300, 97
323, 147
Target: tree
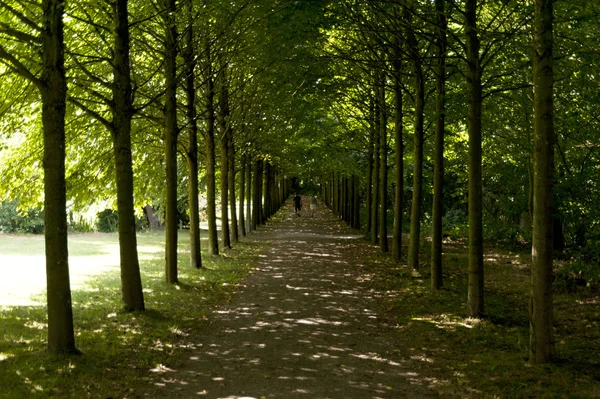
52, 85
542, 347
419, 137
122, 111
474, 99
170, 137
376, 133
209, 149
438, 185
225, 137
399, 155
383, 168
192, 148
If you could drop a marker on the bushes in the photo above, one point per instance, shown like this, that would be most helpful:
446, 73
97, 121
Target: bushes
15, 220
107, 221
455, 223
80, 224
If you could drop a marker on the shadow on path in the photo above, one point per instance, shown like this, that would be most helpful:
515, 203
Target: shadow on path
304, 325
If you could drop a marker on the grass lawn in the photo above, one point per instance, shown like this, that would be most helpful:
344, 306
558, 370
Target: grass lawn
119, 348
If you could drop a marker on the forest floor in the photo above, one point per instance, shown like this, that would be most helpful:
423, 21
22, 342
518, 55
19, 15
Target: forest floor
324, 314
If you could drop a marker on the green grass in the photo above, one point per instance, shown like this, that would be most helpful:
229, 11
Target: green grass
488, 357
118, 348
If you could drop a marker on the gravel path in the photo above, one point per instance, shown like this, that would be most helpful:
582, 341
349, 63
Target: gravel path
305, 324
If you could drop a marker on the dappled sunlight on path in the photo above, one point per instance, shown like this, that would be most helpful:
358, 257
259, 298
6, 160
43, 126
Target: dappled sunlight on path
304, 324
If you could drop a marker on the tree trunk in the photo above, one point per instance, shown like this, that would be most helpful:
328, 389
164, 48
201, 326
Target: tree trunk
474, 100
235, 235
356, 203
376, 167
369, 199
383, 168
224, 131
53, 88
256, 198
170, 138
225, 241
438, 174
192, 150
346, 198
268, 191
209, 145
542, 347
417, 198
242, 195
260, 180
249, 199
122, 112
398, 162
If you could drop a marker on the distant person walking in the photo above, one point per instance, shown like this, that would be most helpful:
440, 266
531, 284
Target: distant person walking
297, 204
313, 205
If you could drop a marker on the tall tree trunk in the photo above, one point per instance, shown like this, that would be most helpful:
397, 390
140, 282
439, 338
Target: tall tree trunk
242, 220
417, 198
192, 149
171, 141
369, 199
334, 189
53, 89
376, 167
122, 112
260, 180
474, 100
235, 234
268, 191
256, 196
249, 199
209, 145
356, 204
438, 174
225, 241
398, 161
542, 347
383, 168
347, 198
224, 131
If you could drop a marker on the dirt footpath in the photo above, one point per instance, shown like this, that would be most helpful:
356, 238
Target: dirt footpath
304, 325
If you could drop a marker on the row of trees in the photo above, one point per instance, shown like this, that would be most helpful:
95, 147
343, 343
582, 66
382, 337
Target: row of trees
144, 79
461, 77
321, 90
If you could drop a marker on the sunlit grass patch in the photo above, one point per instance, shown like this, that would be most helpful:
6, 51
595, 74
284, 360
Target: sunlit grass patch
119, 348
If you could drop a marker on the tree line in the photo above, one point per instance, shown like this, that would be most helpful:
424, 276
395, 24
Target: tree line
402, 111
150, 80
476, 89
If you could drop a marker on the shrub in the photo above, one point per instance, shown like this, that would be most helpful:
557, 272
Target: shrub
80, 224
107, 221
15, 220
506, 234
455, 223
577, 272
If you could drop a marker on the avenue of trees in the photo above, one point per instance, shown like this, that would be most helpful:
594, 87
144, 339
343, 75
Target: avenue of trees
434, 118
